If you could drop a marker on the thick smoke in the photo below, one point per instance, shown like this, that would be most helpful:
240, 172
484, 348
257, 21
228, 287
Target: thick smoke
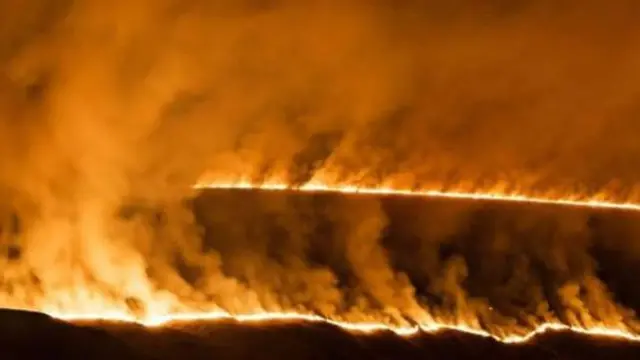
110, 111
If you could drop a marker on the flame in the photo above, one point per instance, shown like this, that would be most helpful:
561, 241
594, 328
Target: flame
388, 190
316, 185
270, 318
167, 310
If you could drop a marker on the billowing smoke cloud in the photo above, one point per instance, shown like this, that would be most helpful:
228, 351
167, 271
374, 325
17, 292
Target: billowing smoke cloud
110, 111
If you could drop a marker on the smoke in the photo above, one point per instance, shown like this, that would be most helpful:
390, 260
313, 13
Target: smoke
111, 111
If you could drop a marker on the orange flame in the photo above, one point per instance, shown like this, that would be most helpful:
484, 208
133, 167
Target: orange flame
169, 311
269, 318
316, 186
492, 195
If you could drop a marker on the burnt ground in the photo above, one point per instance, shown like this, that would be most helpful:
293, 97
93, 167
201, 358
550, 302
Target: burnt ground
25, 335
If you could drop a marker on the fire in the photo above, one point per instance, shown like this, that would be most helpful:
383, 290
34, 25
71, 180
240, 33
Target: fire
270, 318
490, 195
319, 186
80, 303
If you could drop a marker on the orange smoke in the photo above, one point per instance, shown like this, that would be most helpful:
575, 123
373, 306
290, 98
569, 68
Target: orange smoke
134, 99
167, 309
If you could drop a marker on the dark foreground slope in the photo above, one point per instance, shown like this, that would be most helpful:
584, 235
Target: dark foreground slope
36, 336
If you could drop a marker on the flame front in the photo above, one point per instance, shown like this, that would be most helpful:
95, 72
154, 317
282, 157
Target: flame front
104, 104
488, 195
76, 297
270, 318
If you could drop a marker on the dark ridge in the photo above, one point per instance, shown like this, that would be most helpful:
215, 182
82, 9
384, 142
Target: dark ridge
25, 335
28, 335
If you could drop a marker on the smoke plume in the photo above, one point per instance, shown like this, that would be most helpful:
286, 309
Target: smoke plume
111, 111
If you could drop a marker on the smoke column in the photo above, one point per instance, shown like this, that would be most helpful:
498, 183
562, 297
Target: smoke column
110, 112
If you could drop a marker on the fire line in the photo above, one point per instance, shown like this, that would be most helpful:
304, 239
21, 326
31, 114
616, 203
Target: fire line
618, 330
364, 328
391, 191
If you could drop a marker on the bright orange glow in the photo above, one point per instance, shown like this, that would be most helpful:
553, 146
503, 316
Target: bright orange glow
79, 301
315, 186
490, 195
266, 319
